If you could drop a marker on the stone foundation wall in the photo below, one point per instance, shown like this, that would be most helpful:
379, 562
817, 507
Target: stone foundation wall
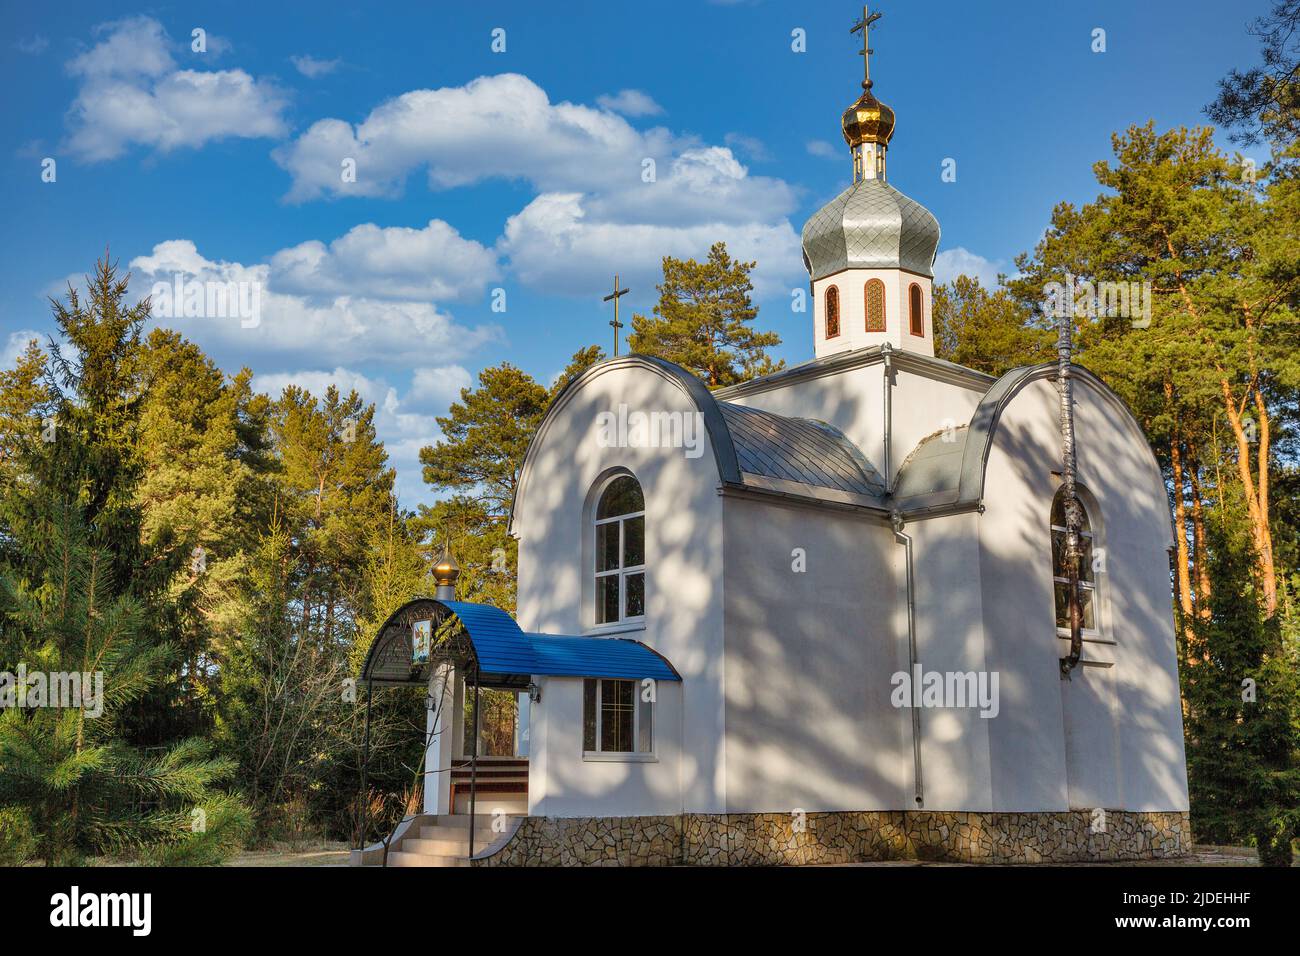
758, 839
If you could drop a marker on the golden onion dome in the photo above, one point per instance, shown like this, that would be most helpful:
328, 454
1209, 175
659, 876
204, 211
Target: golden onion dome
446, 571
867, 121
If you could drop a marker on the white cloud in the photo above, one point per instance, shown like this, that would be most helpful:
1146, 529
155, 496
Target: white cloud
136, 46
436, 388
295, 326
506, 127
390, 263
132, 93
630, 103
494, 126
823, 149
16, 344
951, 263
313, 68
610, 197
552, 244
316, 382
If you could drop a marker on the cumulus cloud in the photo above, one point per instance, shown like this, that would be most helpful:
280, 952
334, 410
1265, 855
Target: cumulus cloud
951, 263
551, 243
296, 325
437, 387
606, 192
313, 68
495, 126
506, 127
630, 103
131, 93
393, 262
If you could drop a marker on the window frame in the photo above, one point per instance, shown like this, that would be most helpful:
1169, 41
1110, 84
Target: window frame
832, 295
622, 572
628, 756
866, 306
1091, 585
916, 310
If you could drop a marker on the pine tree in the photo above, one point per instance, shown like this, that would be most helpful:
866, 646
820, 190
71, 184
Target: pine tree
336, 485
66, 773
704, 321
987, 331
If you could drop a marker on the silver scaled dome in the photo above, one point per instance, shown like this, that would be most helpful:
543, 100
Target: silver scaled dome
871, 225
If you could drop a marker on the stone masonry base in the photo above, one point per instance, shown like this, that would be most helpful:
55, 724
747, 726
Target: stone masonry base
764, 839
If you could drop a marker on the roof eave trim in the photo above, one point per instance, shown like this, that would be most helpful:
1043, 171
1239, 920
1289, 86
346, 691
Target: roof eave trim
923, 365
984, 423
724, 450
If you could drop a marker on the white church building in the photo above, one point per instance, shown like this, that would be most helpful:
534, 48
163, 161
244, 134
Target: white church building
837, 600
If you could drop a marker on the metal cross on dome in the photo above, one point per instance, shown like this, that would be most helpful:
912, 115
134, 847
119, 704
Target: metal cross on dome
615, 295
864, 26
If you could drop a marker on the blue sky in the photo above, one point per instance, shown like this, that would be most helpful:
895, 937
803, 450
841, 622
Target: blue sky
522, 170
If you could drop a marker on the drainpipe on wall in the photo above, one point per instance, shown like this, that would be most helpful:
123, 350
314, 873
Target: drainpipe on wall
887, 351
906, 541
1070, 501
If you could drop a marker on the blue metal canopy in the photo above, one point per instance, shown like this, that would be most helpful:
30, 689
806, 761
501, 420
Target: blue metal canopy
502, 648
598, 657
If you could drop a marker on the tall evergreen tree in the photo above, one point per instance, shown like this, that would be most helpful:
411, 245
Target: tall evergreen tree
987, 331
1243, 705
704, 320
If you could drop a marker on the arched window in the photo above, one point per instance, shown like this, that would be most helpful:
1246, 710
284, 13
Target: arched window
832, 312
875, 302
620, 551
1060, 569
914, 310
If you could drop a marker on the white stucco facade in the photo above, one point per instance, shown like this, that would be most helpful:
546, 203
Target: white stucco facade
787, 674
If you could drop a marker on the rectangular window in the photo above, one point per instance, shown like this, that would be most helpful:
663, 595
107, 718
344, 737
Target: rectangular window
620, 569
1061, 581
616, 719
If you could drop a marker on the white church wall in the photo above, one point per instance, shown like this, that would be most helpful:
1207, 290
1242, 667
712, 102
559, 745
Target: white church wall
683, 583
956, 766
1111, 736
809, 654
563, 782
853, 401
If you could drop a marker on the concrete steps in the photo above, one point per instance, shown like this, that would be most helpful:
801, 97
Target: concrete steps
441, 832
402, 858
442, 842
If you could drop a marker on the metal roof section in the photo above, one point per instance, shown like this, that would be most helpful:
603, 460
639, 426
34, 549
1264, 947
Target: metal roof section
800, 456
871, 225
941, 476
612, 657
931, 475
499, 644
503, 650
758, 451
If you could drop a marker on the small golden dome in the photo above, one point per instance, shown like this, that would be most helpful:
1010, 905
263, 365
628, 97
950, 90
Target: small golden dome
446, 571
867, 121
